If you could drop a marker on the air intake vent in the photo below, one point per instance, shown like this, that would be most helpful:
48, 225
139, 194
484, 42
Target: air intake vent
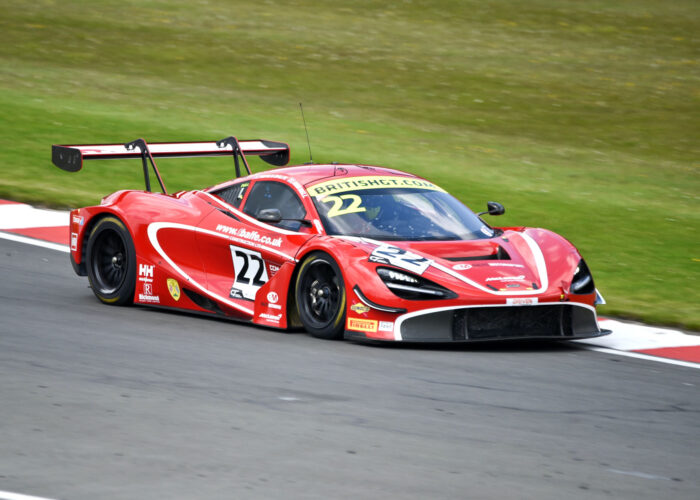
202, 301
501, 254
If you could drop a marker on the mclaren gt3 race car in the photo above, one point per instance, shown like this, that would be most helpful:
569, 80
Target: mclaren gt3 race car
352, 251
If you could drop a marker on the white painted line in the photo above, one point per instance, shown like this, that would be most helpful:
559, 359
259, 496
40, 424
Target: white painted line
20, 216
642, 475
36, 243
636, 337
645, 357
8, 495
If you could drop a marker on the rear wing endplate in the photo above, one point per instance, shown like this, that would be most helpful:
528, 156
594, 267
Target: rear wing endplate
70, 157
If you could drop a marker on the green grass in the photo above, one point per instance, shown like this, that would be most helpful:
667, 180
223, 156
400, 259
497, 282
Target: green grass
581, 117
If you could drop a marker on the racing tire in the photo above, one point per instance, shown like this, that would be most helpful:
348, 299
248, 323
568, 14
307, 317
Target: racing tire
320, 296
111, 262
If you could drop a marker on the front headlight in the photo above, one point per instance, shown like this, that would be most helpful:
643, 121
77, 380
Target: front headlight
582, 283
412, 287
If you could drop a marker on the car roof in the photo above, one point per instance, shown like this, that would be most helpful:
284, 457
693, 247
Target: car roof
312, 173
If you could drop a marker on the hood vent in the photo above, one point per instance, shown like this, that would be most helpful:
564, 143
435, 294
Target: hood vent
500, 254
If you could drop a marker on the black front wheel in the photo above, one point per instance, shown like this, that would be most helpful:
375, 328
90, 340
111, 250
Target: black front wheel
320, 296
111, 262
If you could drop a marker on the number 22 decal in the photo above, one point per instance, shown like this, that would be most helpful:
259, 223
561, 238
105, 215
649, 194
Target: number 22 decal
338, 202
251, 273
401, 258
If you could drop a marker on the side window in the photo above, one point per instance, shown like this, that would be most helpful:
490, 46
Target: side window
233, 195
271, 194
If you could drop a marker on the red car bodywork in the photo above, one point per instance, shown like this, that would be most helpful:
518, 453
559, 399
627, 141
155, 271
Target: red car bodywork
193, 247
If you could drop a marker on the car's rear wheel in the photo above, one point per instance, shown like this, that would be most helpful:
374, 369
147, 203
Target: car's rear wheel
320, 296
111, 262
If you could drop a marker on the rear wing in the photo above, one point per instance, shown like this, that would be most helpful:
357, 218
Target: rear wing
70, 157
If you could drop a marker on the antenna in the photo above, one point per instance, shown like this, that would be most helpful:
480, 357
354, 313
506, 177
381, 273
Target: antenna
308, 142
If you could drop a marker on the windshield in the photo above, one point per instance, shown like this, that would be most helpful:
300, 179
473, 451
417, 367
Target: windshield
397, 213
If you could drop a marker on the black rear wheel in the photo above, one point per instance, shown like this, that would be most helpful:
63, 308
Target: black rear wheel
111, 262
320, 296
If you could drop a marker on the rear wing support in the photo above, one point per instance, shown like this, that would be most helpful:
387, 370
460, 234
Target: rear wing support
70, 157
145, 157
237, 151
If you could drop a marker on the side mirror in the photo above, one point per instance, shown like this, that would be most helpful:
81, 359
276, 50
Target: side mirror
270, 215
494, 208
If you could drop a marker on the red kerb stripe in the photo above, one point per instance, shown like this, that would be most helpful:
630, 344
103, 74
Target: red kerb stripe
687, 353
56, 234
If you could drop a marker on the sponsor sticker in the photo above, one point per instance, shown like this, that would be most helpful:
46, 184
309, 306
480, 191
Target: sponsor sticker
272, 299
273, 269
149, 298
504, 264
254, 236
146, 273
146, 270
266, 175
78, 219
362, 325
147, 295
521, 301
74, 241
369, 182
272, 317
174, 288
506, 278
386, 326
461, 267
359, 308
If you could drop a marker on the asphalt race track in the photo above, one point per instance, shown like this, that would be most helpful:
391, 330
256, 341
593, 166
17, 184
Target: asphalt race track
100, 402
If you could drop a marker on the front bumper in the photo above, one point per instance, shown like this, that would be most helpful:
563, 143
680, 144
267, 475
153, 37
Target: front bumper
551, 321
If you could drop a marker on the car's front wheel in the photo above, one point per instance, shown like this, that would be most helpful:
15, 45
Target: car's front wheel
111, 262
320, 296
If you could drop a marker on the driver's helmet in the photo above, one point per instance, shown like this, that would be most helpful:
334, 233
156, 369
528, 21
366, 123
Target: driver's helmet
378, 206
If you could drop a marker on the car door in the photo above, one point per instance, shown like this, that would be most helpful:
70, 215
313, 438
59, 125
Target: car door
241, 254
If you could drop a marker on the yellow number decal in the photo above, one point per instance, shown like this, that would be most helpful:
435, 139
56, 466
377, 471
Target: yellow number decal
338, 202
355, 204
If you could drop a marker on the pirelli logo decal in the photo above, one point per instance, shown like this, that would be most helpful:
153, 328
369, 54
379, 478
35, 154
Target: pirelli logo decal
362, 325
369, 182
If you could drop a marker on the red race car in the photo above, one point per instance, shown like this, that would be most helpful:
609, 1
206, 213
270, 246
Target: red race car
353, 251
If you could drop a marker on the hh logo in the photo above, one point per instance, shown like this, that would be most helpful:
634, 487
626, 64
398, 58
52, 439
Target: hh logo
145, 270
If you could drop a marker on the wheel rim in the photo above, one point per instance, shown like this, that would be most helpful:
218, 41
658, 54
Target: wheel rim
109, 261
321, 293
